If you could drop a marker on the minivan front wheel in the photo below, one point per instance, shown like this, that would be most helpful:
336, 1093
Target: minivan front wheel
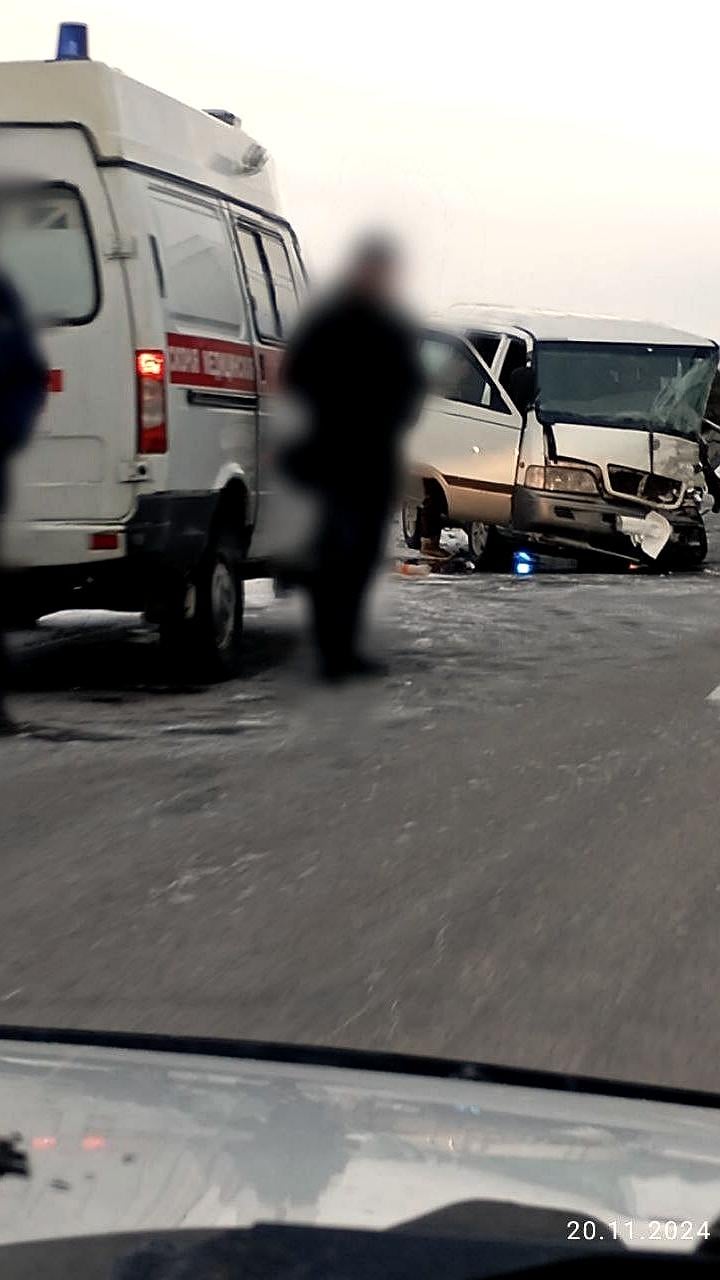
686, 557
481, 543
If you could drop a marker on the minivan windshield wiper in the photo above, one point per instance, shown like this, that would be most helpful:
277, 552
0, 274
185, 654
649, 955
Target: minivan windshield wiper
637, 421
626, 421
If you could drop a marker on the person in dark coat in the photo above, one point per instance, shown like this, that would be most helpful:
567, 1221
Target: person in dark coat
354, 371
709, 447
23, 382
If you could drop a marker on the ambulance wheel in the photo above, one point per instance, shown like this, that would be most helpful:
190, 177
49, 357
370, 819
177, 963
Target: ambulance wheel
412, 525
22, 615
219, 608
22, 606
202, 633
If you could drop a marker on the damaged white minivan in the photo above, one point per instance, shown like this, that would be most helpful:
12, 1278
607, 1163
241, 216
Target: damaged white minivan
577, 433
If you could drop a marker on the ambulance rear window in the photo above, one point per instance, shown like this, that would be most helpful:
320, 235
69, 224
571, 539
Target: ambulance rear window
45, 249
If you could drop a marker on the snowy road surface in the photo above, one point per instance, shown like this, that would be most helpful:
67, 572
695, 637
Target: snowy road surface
508, 850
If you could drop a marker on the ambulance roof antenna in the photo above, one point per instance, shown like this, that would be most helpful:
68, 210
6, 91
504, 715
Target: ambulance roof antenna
219, 113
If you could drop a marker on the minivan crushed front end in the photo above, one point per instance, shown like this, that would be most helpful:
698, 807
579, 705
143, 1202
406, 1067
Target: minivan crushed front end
608, 525
610, 455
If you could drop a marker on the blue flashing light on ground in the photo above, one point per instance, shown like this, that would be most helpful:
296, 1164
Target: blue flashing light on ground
523, 564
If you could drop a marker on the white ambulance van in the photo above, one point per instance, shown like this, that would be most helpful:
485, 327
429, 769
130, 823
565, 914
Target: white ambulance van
146, 240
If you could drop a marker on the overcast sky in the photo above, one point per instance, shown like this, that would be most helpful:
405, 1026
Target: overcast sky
541, 152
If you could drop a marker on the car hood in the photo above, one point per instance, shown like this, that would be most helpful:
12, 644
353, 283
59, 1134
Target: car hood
666, 455
126, 1139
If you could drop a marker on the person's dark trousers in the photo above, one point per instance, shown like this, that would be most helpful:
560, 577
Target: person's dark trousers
4, 649
4, 654
431, 520
711, 479
4, 678
350, 544
4, 669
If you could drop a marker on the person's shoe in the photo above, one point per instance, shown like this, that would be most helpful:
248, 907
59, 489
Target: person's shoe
432, 550
8, 727
357, 668
332, 675
368, 668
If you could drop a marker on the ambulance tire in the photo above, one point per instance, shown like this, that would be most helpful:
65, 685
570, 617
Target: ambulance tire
219, 611
202, 635
22, 614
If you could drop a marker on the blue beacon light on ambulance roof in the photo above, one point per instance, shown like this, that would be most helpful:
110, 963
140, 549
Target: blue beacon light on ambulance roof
72, 45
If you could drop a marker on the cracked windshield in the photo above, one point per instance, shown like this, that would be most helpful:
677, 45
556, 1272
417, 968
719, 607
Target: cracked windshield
359, 638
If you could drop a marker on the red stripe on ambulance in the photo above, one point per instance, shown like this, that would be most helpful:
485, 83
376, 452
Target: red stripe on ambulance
211, 363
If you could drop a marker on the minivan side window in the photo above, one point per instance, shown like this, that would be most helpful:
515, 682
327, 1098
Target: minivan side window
46, 250
270, 281
486, 345
516, 357
454, 375
198, 267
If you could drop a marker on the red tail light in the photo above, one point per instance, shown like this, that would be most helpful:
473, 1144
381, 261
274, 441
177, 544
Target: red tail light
93, 1142
152, 414
104, 541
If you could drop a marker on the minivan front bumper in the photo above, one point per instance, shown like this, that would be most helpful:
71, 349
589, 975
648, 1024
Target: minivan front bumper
594, 522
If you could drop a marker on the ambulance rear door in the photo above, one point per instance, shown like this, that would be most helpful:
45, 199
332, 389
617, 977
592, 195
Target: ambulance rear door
59, 243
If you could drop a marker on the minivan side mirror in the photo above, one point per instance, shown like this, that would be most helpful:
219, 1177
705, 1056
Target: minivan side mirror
521, 388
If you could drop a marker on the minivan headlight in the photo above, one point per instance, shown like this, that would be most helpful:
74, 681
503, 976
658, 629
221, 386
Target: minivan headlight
561, 479
694, 497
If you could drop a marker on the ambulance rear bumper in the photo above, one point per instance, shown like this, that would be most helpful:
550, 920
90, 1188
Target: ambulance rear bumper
50, 565
47, 544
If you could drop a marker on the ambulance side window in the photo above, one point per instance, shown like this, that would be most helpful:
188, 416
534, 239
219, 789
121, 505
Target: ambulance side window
270, 281
296, 266
262, 295
282, 279
198, 268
